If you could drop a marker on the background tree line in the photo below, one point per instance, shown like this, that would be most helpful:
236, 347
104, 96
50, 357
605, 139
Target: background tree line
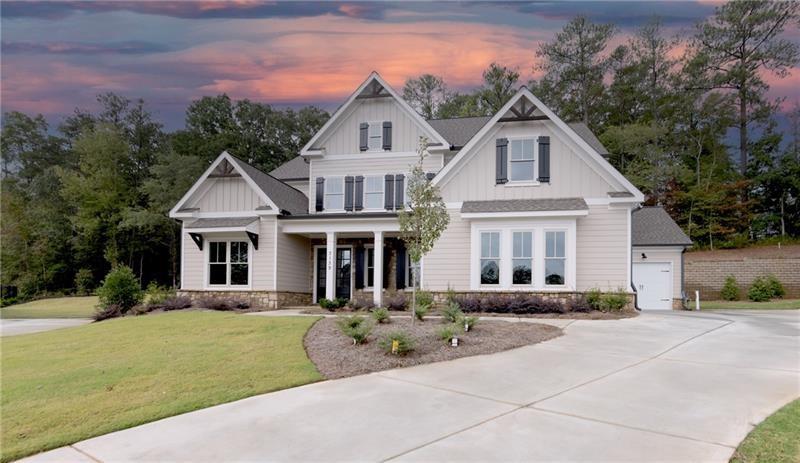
95, 191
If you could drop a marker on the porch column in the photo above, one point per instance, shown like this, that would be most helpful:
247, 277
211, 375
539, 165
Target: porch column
330, 265
377, 272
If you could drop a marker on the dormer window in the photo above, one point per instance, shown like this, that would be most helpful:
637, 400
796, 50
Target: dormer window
521, 160
375, 140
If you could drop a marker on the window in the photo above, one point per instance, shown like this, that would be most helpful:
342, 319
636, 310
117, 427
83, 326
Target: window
521, 162
369, 267
375, 136
554, 258
223, 270
409, 271
334, 193
490, 258
373, 192
522, 258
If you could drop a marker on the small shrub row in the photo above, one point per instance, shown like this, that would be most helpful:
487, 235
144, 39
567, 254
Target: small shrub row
334, 304
222, 303
765, 288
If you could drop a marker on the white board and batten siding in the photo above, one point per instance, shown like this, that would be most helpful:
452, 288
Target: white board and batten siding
227, 195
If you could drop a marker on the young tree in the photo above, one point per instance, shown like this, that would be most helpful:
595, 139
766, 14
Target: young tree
425, 219
574, 67
425, 94
742, 41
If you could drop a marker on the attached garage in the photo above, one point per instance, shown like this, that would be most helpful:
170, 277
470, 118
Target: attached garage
658, 244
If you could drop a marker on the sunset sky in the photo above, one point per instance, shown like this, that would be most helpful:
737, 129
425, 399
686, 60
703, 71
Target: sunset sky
56, 56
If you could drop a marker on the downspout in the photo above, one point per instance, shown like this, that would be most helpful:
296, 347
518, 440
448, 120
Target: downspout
684, 296
630, 266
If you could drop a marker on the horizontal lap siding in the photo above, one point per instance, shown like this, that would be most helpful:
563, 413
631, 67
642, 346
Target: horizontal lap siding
447, 265
193, 262
294, 257
671, 255
264, 257
602, 249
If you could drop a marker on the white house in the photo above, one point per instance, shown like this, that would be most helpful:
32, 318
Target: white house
534, 208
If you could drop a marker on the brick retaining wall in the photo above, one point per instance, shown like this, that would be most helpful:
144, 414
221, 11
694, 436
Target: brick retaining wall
708, 276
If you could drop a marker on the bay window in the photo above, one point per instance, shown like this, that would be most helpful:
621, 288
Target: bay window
228, 263
555, 258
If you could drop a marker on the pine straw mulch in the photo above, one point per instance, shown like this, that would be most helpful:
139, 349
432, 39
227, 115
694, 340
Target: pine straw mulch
336, 357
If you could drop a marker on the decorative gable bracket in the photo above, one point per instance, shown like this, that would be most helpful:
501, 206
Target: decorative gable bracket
198, 240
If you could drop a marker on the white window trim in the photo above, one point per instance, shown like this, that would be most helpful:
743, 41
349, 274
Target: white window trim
544, 255
382, 183
314, 294
532, 258
207, 254
379, 149
499, 258
326, 193
538, 227
534, 181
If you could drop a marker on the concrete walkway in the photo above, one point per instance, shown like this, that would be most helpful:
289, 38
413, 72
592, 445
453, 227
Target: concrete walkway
14, 326
659, 387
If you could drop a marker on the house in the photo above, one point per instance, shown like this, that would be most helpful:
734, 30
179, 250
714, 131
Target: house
534, 207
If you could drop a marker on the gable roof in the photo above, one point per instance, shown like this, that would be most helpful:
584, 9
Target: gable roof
589, 137
374, 81
280, 197
523, 92
293, 169
652, 226
458, 131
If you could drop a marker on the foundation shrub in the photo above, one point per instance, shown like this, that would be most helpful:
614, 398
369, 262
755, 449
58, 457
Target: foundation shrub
396, 301
593, 298
424, 298
580, 305
176, 303
381, 315
613, 302
730, 290
109, 311
452, 312
334, 304
222, 303
360, 304
155, 295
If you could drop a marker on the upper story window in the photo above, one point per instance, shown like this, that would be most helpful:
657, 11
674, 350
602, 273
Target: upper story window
334, 193
375, 136
555, 258
373, 192
521, 160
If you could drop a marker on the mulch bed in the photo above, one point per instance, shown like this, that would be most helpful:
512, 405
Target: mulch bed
593, 315
336, 357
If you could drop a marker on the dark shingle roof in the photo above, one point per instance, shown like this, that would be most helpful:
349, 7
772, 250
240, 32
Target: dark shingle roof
294, 169
458, 131
285, 197
588, 136
652, 226
221, 223
525, 205
620, 194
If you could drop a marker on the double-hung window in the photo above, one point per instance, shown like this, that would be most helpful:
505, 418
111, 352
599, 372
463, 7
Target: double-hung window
521, 161
522, 259
375, 136
334, 194
228, 268
490, 258
555, 258
373, 192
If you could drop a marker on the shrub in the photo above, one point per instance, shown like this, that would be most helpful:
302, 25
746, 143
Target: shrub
108, 311
452, 312
447, 332
7, 301
466, 323
420, 311
613, 302
405, 343
424, 298
155, 295
760, 290
360, 304
84, 282
520, 304
176, 303
580, 305
593, 298
451, 296
120, 288
222, 303
334, 304
355, 327
730, 290
775, 286
381, 315
396, 301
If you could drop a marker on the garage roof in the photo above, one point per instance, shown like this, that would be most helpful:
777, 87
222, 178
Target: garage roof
652, 226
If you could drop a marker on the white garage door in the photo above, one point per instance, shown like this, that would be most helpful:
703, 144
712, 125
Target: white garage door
653, 282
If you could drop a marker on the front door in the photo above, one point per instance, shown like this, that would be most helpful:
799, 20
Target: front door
342, 272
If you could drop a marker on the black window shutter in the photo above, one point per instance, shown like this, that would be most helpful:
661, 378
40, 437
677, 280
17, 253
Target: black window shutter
388, 192
363, 136
359, 283
320, 193
544, 159
401, 266
359, 200
399, 190
502, 161
348, 193
387, 135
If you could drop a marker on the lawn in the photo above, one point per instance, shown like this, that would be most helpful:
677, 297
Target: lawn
64, 386
774, 440
57, 307
726, 305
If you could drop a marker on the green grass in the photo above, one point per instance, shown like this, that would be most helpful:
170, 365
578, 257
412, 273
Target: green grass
57, 307
726, 305
775, 440
64, 386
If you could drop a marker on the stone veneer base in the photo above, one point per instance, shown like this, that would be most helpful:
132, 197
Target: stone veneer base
265, 300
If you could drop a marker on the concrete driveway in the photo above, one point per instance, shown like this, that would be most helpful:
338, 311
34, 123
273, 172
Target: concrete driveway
14, 326
659, 387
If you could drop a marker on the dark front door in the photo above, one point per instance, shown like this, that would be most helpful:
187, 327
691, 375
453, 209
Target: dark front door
343, 260
321, 274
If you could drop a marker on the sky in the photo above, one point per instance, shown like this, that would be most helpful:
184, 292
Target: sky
57, 56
